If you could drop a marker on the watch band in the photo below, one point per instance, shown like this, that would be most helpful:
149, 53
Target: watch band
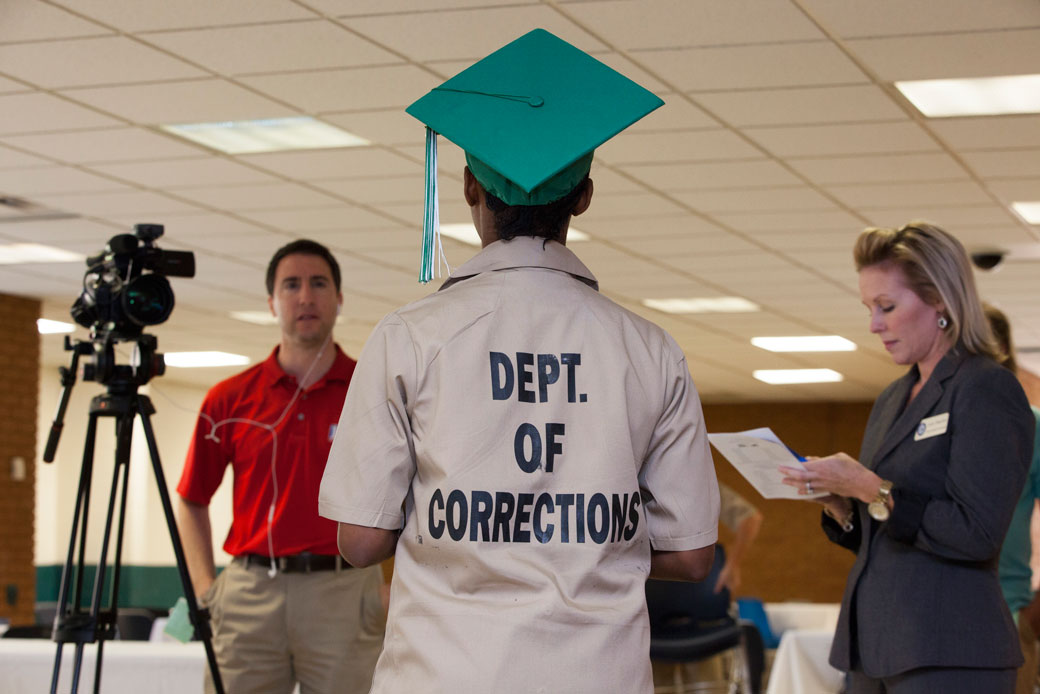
878, 508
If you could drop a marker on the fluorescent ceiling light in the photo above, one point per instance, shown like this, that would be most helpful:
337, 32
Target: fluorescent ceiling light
15, 253
1029, 211
267, 135
981, 96
467, 233
45, 326
255, 317
197, 359
718, 304
789, 376
806, 343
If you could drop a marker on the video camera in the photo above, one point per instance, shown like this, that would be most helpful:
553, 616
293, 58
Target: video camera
125, 287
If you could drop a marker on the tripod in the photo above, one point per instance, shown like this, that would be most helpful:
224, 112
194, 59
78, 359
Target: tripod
73, 623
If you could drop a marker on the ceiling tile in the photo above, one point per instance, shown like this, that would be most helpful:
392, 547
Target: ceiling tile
175, 173
147, 15
306, 45
880, 169
384, 127
897, 17
35, 21
343, 162
906, 194
136, 204
751, 199
56, 232
108, 145
10, 86
945, 215
709, 176
12, 159
802, 105
359, 8
1009, 190
677, 23
337, 90
996, 132
945, 56
53, 179
724, 68
678, 113
466, 34
194, 101
377, 190
37, 112
1017, 163
790, 221
264, 196
700, 145
91, 61
304, 220
845, 138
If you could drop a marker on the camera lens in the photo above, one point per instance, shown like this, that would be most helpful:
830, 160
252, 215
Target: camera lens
148, 299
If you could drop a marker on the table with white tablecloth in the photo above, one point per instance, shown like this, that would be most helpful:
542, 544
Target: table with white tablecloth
127, 667
800, 665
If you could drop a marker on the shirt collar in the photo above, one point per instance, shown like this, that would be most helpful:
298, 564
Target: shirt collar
339, 371
521, 252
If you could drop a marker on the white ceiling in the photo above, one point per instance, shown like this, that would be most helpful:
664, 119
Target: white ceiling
781, 139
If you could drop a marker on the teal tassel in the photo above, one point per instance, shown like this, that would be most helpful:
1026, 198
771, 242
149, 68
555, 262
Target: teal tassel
431, 243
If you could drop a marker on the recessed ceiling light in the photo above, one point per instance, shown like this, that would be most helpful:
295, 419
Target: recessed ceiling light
190, 360
467, 233
1029, 211
789, 376
981, 96
15, 253
255, 317
45, 326
806, 343
266, 135
718, 304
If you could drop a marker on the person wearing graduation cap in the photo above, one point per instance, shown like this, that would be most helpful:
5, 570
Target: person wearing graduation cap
527, 450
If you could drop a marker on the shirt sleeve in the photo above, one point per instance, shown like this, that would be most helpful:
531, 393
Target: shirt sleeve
372, 460
988, 462
207, 457
677, 480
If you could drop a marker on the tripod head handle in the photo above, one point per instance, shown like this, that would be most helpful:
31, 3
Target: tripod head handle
68, 379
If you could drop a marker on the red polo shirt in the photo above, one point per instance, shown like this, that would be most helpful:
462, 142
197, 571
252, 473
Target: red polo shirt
303, 435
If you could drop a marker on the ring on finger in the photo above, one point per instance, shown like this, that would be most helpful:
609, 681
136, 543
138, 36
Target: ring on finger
808, 488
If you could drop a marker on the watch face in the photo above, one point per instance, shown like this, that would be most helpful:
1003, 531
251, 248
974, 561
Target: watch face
878, 510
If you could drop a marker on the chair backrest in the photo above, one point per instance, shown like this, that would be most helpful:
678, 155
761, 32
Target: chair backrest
134, 624
680, 605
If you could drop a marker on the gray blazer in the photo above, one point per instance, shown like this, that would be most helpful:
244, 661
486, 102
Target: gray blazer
923, 591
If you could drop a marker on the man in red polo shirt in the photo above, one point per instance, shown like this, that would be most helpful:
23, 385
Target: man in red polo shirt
287, 609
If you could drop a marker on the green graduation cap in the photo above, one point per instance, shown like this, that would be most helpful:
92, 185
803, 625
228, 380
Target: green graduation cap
528, 117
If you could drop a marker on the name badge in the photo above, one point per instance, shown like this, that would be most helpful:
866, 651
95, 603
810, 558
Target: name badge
932, 426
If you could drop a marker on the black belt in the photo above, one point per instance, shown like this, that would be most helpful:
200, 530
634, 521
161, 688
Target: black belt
298, 563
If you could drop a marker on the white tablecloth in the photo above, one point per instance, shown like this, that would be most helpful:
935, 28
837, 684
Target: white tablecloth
127, 667
800, 665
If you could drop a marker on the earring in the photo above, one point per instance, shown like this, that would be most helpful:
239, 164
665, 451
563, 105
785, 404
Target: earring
943, 323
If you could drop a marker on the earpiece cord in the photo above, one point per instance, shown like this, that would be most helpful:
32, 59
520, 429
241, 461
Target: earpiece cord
272, 429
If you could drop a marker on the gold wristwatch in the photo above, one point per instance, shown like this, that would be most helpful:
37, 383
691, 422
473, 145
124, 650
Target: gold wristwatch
878, 508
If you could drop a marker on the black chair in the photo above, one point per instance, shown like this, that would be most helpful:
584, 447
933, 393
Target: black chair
134, 623
689, 622
28, 631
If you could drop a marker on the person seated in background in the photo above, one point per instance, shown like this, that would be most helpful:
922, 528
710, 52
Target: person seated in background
744, 521
1013, 567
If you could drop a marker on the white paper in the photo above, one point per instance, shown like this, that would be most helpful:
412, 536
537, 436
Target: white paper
756, 454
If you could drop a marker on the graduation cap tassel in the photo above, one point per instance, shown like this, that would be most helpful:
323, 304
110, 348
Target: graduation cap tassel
432, 251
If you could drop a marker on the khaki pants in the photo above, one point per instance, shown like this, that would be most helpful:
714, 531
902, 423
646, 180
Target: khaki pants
1027, 674
323, 629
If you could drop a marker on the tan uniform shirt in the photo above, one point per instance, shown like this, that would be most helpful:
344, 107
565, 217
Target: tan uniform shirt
534, 440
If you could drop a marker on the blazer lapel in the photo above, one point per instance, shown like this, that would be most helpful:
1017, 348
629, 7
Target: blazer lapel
919, 408
876, 435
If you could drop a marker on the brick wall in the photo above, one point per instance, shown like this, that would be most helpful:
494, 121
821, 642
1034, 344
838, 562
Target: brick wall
19, 369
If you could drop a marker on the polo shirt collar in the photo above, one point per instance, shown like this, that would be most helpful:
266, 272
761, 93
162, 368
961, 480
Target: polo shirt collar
521, 252
274, 373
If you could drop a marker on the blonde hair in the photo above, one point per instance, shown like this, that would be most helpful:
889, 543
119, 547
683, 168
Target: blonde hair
937, 269
1001, 327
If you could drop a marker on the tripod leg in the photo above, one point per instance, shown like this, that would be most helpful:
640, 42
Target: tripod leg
74, 571
198, 619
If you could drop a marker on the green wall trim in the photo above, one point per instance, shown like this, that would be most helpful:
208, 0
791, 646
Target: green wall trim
139, 586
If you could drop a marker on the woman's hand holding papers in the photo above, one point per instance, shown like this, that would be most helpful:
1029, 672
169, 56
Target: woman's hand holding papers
839, 474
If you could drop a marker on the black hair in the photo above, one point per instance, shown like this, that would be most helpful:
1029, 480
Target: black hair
301, 247
546, 221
